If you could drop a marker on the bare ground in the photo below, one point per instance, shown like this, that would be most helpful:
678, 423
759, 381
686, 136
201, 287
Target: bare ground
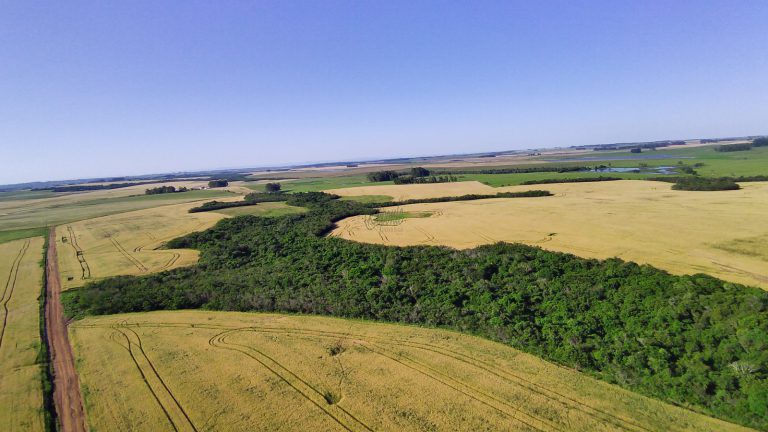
66, 388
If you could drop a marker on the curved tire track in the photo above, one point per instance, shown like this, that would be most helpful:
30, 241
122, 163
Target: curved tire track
219, 341
10, 285
176, 415
554, 396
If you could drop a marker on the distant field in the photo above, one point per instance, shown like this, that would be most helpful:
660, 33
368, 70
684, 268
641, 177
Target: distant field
69, 207
25, 195
194, 370
718, 233
21, 398
716, 164
413, 191
318, 184
500, 180
125, 243
267, 209
6, 236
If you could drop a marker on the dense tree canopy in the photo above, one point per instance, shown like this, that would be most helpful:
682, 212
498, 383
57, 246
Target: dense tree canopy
164, 190
218, 183
694, 340
381, 176
705, 184
733, 147
272, 187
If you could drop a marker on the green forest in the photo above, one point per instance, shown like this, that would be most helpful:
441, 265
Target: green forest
694, 341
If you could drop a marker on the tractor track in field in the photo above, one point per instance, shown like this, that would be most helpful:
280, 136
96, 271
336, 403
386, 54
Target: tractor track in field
554, 396
175, 257
219, 341
127, 255
551, 395
68, 401
79, 253
182, 422
10, 285
159, 241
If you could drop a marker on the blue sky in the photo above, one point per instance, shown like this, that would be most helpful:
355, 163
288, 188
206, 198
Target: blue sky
129, 87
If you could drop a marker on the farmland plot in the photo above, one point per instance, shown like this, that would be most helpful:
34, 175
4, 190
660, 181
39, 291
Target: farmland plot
21, 399
719, 233
195, 370
41, 209
127, 243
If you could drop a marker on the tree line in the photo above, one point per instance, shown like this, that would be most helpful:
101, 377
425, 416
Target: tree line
164, 190
757, 142
92, 187
300, 199
407, 179
733, 147
705, 184
693, 341
218, 183
399, 177
250, 199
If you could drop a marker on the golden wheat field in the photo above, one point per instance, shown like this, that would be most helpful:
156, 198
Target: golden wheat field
127, 243
682, 232
21, 397
229, 371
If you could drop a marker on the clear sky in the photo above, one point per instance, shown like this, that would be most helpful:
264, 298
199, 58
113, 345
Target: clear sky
107, 88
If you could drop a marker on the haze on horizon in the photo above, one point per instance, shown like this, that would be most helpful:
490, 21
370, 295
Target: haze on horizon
92, 89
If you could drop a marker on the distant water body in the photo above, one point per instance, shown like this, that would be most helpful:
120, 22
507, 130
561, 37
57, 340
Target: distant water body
619, 158
644, 170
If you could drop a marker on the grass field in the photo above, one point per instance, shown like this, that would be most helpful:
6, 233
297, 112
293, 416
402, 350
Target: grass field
500, 180
126, 243
25, 195
21, 398
646, 222
398, 215
69, 207
716, 164
267, 209
317, 184
414, 191
195, 370
6, 236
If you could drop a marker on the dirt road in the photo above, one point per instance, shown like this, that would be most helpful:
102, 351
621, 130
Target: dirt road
66, 388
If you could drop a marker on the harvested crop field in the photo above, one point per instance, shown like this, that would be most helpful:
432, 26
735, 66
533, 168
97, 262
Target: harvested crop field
127, 243
21, 398
682, 232
195, 370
